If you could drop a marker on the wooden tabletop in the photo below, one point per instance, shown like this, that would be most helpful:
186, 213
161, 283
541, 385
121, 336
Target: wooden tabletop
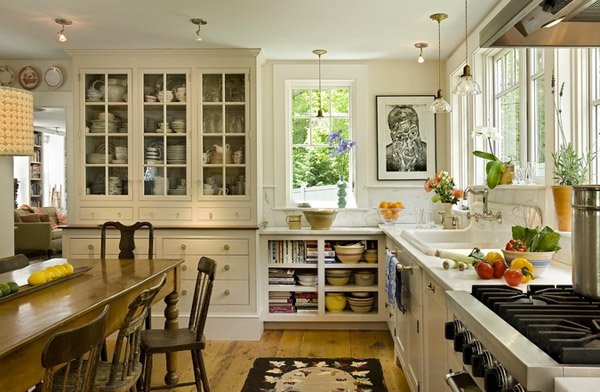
27, 320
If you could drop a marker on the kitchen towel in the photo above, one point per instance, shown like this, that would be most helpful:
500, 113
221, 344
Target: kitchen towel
390, 278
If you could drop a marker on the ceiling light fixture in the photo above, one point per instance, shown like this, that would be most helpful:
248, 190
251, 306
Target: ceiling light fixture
198, 22
467, 85
320, 121
62, 22
420, 46
439, 105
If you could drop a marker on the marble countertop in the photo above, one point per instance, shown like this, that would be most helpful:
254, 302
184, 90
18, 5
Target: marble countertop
367, 230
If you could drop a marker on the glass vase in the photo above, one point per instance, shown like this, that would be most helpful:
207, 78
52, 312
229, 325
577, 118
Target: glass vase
341, 192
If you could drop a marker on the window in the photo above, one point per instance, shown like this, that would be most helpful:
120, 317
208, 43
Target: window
595, 104
507, 103
537, 106
313, 175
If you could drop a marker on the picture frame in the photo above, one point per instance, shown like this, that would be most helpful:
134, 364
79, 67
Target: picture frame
412, 155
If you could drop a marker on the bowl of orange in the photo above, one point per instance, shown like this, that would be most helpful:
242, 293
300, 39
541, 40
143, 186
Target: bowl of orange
389, 211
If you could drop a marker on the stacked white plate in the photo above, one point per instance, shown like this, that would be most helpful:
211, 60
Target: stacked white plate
115, 186
176, 154
361, 304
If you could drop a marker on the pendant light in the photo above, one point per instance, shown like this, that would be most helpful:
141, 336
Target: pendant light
421, 46
467, 85
62, 22
439, 105
320, 121
198, 22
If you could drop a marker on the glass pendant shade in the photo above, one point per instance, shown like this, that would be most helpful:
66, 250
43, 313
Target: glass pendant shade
440, 105
467, 85
320, 121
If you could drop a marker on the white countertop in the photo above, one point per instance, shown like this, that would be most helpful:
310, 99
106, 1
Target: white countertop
576, 384
453, 279
358, 230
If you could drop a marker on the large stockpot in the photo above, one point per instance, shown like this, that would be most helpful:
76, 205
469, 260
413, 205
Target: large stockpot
585, 241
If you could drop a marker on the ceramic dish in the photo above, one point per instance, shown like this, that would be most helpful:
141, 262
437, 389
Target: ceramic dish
7, 76
53, 77
29, 78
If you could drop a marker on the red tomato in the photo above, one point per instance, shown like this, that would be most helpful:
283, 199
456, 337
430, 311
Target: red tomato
509, 246
513, 277
499, 267
484, 270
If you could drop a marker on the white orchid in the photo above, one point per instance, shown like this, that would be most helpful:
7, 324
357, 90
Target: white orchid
488, 133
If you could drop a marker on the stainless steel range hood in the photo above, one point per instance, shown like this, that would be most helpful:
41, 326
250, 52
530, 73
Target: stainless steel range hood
522, 23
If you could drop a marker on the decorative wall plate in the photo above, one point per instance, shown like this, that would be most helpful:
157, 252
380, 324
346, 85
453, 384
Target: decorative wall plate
29, 78
7, 76
53, 77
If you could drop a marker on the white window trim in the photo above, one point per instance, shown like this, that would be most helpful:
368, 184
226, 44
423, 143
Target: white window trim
281, 133
327, 84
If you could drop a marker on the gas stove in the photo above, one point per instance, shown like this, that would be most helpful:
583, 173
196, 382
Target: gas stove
521, 341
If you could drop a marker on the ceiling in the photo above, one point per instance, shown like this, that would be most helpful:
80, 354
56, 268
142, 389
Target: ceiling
284, 29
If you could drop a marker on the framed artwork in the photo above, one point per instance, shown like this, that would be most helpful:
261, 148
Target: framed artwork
405, 137
29, 78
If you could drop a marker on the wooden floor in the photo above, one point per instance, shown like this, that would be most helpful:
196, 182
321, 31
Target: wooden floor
228, 362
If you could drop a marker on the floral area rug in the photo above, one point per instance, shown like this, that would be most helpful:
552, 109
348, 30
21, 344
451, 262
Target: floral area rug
315, 375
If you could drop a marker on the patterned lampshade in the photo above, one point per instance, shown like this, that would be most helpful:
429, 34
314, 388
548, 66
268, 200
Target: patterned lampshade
16, 122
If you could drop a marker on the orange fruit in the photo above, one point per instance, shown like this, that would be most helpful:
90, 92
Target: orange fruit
395, 204
388, 214
395, 214
383, 204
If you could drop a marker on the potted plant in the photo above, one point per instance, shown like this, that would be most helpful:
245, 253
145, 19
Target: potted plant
445, 190
340, 155
497, 171
569, 168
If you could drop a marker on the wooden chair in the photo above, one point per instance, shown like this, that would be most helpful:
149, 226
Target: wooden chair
123, 372
69, 348
156, 341
12, 263
127, 242
126, 248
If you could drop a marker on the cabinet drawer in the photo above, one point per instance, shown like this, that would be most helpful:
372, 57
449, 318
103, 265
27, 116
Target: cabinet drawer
205, 247
228, 267
90, 247
166, 214
105, 213
224, 293
433, 289
224, 214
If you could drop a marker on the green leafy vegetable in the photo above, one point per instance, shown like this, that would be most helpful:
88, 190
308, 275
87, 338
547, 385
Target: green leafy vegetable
536, 239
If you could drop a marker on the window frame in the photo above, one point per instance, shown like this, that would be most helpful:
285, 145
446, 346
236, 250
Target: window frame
291, 85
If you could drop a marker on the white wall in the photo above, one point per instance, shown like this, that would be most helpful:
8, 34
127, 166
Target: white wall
402, 77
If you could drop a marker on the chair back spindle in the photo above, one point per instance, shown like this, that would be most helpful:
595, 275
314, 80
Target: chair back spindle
127, 241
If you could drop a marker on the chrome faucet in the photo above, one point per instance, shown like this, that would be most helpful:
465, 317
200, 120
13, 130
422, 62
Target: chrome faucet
486, 214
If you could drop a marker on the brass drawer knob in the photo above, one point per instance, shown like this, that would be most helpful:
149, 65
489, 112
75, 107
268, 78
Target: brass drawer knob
226, 247
226, 267
227, 292
183, 292
184, 267
90, 247
183, 246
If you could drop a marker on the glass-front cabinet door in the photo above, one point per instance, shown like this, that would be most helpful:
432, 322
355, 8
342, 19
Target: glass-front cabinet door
223, 122
166, 131
106, 137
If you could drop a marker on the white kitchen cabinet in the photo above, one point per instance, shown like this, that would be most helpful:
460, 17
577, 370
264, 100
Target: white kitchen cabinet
407, 332
233, 313
435, 352
283, 249
165, 136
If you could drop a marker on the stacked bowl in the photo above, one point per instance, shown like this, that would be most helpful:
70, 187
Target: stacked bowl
351, 253
364, 278
338, 277
307, 278
335, 302
539, 260
361, 304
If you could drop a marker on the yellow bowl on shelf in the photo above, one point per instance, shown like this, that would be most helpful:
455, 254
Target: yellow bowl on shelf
338, 281
320, 219
335, 302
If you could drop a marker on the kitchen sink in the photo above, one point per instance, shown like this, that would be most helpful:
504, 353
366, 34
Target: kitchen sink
428, 240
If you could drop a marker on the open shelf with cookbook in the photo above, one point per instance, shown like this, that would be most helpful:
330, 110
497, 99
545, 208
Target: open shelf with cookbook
311, 276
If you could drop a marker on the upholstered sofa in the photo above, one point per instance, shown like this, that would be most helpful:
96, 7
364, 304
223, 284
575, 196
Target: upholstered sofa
35, 231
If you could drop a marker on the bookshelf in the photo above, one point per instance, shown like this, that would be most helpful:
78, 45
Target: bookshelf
36, 171
295, 265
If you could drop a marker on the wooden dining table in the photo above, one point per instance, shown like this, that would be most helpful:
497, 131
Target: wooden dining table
29, 320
